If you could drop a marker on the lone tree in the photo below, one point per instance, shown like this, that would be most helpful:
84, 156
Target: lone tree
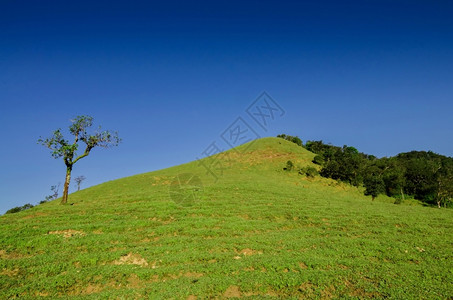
79, 180
62, 148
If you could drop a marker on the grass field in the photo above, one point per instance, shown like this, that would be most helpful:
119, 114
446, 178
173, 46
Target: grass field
256, 232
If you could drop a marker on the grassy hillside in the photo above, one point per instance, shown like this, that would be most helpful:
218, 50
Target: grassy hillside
257, 232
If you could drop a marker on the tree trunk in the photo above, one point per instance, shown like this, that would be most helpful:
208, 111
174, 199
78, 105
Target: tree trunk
372, 198
64, 200
402, 194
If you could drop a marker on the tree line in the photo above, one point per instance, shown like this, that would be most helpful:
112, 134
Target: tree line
422, 175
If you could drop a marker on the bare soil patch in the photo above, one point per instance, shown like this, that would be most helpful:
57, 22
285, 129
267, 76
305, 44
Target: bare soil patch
131, 259
232, 292
68, 233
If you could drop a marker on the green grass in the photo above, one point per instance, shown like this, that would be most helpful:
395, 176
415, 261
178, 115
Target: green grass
258, 232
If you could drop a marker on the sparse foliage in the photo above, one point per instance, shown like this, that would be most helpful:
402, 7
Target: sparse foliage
79, 180
54, 195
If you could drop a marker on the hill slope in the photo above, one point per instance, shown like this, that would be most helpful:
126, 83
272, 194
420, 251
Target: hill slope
255, 231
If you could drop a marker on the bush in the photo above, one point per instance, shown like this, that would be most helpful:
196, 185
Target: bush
309, 172
289, 166
295, 139
19, 208
318, 159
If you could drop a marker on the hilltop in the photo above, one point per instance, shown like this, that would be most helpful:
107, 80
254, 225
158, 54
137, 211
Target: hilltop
254, 231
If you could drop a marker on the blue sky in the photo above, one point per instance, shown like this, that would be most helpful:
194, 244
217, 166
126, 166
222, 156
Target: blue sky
172, 76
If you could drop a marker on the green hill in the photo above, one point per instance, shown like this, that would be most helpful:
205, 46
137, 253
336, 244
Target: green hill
257, 231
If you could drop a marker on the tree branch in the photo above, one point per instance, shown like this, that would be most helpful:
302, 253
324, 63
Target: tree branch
87, 151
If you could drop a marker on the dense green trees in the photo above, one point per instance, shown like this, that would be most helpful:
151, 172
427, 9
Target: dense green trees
423, 175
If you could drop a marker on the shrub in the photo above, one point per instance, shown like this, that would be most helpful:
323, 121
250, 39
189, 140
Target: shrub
289, 166
318, 159
309, 172
295, 139
19, 208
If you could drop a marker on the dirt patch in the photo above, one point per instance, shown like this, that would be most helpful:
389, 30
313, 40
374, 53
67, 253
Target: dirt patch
307, 289
134, 282
192, 297
161, 181
9, 273
92, 289
359, 292
38, 214
328, 292
193, 274
232, 292
68, 233
153, 239
302, 265
12, 255
131, 259
248, 252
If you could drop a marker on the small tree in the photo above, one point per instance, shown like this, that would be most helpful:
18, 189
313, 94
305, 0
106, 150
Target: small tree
62, 148
79, 180
54, 189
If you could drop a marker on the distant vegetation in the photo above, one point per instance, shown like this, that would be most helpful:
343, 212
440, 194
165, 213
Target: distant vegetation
19, 208
79, 180
425, 176
295, 139
53, 196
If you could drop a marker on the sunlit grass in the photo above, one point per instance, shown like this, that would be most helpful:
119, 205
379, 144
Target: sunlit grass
258, 231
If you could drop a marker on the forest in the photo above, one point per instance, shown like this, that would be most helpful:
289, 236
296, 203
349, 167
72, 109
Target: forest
422, 175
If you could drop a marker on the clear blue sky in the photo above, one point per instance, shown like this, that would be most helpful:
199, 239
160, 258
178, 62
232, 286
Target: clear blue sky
171, 76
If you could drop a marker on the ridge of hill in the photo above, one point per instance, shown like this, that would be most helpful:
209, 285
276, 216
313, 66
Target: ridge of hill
254, 231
